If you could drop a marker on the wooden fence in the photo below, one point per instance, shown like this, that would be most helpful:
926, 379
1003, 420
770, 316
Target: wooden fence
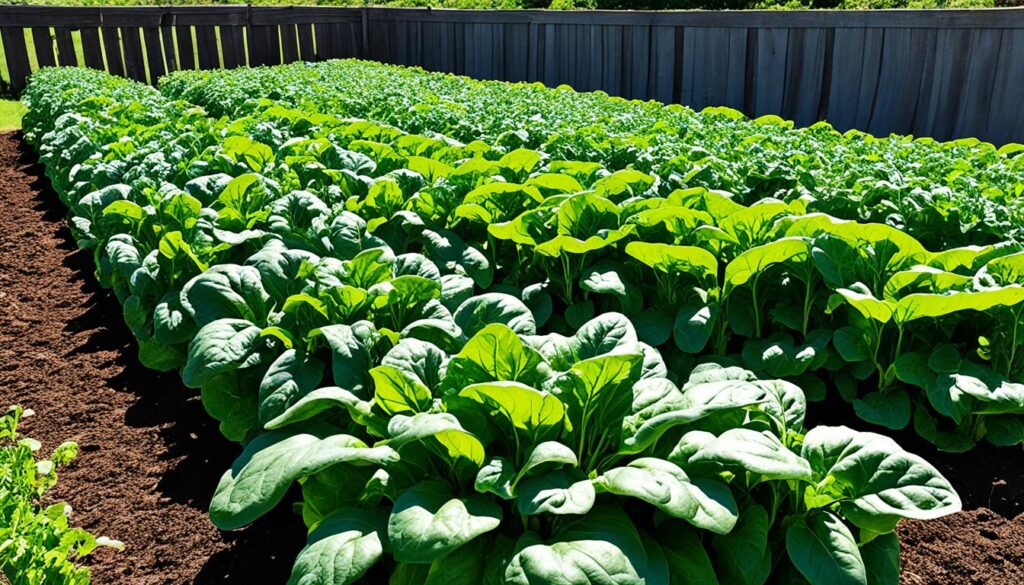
939, 73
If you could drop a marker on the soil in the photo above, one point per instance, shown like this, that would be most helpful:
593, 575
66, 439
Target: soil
150, 455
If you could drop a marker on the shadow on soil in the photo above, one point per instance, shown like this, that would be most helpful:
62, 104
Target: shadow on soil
261, 553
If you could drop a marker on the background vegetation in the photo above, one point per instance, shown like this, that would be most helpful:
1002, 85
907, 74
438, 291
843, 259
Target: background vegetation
572, 4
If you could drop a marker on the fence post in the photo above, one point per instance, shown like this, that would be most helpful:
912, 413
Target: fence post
364, 13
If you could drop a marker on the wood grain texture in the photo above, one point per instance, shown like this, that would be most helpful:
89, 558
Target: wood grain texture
65, 47
44, 46
17, 56
92, 51
112, 50
134, 61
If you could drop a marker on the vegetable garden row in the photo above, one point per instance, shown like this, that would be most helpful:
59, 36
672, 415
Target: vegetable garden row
510, 334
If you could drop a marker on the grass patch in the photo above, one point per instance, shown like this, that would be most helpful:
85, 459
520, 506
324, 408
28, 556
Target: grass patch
11, 112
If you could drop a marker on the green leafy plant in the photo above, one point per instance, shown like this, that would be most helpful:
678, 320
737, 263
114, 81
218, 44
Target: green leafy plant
542, 348
38, 546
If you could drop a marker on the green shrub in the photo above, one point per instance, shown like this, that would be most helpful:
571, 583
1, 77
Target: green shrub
37, 545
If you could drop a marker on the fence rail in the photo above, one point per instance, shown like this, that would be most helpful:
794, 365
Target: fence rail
941, 73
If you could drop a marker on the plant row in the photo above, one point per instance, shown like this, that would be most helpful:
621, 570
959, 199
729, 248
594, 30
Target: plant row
944, 194
426, 336
865, 311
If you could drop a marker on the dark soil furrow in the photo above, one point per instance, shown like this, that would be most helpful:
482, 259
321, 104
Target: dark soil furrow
150, 455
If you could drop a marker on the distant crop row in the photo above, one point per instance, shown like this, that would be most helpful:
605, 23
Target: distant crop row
506, 334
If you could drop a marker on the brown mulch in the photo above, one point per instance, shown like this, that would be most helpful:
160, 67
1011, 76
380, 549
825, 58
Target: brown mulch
150, 456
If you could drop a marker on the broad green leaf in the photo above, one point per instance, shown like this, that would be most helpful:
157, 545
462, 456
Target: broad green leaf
744, 557
556, 492
351, 355
875, 480
428, 522
755, 261
655, 481
760, 453
663, 408
496, 477
480, 311
890, 409
548, 453
440, 426
495, 353
230, 398
881, 558
259, 478
524, 407
676, 259
341, 548
824, 551
291, 376
220, 346
603, 547
398, 392
318, 401
694, 326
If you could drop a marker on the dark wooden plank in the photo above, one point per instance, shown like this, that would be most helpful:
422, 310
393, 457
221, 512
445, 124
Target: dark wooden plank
92, 50
640, 45
769, 74
207, 47
167, 41
714, 64
65, 47
289, 43
611, 55
735, 86
431, 36
112, 50
549, 72
237, 15
44, 46
899, 82
871, 75
979, 82
154, 53
534, 51
924, 61
1005, 124
497, 33
264, 45
849, 55
597, 56
953, 51
134, 62
400, 43
186, 48
17, 57
348, 40
305, 38
805, 58
277, 15
322, 42
662, 71
232, 41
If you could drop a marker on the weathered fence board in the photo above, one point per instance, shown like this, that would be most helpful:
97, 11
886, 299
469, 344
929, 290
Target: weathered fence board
941, 73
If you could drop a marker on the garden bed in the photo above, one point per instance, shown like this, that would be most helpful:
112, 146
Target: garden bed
150, 455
